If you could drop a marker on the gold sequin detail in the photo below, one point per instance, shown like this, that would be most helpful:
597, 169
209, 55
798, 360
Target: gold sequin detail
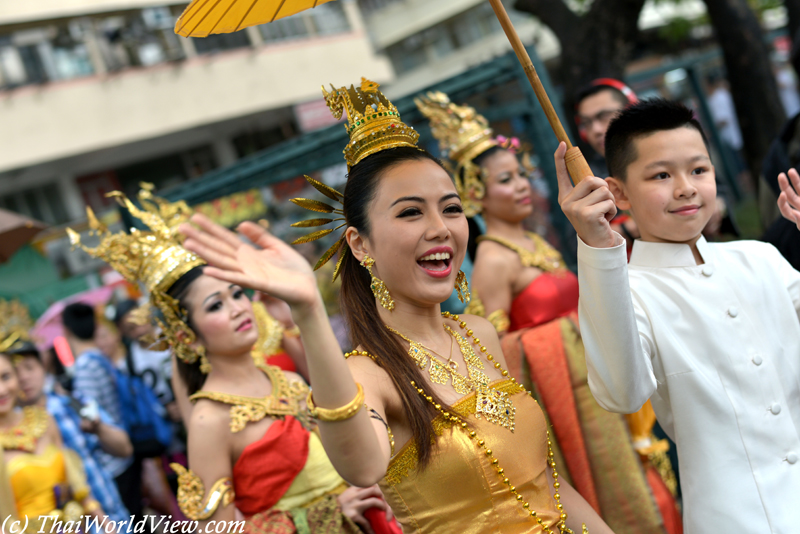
406, 460
285, 400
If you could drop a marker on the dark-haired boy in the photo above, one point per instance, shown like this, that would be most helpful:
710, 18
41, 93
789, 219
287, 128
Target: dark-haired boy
93, 380
709, 332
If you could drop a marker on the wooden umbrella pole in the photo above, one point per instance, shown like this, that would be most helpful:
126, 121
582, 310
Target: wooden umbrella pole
576, 163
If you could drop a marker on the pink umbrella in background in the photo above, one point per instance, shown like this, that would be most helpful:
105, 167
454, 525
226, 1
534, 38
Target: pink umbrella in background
48, 327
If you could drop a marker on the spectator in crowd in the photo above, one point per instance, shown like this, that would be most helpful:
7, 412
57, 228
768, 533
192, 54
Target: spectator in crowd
84, 427
784, 154
94, 379
154, 366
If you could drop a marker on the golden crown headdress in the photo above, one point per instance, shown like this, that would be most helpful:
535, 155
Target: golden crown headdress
373, 125
15, 324
155, 258
373, 122
463, 135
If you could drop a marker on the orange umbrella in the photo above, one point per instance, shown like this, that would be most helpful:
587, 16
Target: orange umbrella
204, 17
15, 231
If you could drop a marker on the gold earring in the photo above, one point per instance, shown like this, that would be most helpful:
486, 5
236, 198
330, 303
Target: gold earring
377, 286
462, 286
205, 365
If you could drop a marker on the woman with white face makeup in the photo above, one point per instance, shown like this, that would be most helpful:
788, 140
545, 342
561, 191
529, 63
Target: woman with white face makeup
424, 406
252, 450
523, 287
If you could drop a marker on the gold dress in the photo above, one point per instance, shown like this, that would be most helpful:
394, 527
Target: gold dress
459, 491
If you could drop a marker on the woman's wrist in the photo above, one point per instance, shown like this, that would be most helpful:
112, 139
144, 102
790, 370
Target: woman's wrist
307, 314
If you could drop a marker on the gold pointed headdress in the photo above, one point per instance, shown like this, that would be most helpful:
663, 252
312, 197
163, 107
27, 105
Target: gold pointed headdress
463, 135
373, 124
155, 258
15, 325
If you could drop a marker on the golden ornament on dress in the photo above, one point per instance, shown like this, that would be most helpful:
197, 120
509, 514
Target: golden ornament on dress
192, 498
544, 257
284, 400
373, 124
25, 435
156, 259
427, 500
15, 324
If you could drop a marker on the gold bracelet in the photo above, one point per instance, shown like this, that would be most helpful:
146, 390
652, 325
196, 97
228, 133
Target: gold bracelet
337, 414
292, 332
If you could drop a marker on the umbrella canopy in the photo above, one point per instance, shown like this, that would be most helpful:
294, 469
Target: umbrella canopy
15, 231
49, 326
204, 17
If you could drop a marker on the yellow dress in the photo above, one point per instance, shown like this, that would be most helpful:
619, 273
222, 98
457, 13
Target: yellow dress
459, 491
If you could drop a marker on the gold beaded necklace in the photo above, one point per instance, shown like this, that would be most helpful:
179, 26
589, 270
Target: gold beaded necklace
440, 372
460, 423
24, 435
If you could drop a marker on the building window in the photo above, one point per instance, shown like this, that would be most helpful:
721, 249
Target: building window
221, 42
293, 27
43, 204
443, 39
329, 19
369, 7
325, 19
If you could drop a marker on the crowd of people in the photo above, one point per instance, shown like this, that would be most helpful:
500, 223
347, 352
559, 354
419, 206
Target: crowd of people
542, 408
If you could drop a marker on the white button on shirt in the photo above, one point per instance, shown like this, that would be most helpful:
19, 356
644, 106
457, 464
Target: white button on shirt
791, 458
665, 340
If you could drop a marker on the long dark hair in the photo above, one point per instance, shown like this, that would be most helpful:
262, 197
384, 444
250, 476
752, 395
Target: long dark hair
190, 372
474, 229
359, 306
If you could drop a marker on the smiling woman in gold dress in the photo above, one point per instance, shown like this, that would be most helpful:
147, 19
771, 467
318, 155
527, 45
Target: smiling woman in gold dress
424, 406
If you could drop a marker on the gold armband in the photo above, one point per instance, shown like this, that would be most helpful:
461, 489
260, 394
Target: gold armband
500, 321
292, 332
337, 414
193, 501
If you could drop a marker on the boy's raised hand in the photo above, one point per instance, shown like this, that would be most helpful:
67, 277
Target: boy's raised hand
789, 200
589, 206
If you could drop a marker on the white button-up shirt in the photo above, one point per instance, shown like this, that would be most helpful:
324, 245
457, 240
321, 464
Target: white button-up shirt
716, 347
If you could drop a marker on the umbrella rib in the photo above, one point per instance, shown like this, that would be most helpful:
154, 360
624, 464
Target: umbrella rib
249, 9
207, 13
197, 12
214, 27
277, 11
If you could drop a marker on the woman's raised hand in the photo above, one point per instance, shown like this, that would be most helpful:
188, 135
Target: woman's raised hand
273, 268
789, 199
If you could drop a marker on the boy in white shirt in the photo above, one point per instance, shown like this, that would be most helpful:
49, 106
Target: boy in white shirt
709, 332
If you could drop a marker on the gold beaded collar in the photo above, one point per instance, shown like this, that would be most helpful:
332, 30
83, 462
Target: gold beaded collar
25, 435
544, 257
284, 400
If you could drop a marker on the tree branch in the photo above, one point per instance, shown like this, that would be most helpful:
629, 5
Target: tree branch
555, 14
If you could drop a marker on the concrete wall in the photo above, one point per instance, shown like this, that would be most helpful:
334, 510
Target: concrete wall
63, 119
16, 12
